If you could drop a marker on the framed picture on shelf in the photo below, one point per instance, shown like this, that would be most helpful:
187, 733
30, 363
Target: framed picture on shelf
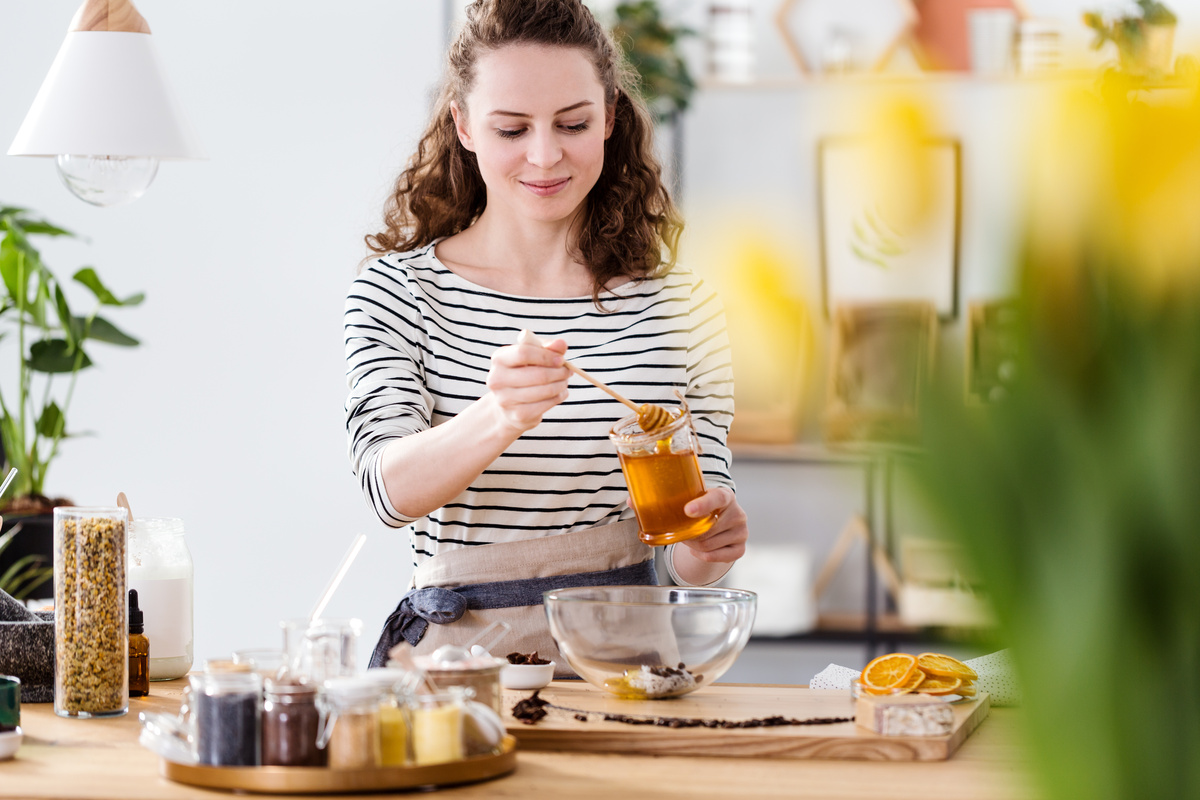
992, 350
881, 359
875, 249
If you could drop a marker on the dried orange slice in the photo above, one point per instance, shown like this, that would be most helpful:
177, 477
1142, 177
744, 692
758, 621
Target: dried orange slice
865, 689
938, 664
966, 690
889, 671
939, 685
914, 680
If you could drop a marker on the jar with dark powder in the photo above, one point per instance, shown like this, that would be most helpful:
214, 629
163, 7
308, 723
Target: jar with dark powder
290, 723
227, 709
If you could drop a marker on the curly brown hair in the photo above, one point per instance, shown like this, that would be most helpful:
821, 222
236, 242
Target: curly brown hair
629, 225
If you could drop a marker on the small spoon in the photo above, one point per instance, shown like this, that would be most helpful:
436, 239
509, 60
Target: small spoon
123, 502
650, 416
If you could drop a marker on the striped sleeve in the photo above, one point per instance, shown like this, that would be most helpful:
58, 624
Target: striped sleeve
388, 398
710, 382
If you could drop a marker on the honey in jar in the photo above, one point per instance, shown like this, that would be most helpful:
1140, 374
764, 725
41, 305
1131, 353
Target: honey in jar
663, 475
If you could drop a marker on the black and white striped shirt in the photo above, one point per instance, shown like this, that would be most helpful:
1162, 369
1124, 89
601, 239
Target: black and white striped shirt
418, 343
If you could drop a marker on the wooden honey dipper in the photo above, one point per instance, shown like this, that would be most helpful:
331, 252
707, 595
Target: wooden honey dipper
650, 416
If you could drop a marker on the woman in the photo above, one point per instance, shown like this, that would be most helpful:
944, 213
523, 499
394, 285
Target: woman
533, 202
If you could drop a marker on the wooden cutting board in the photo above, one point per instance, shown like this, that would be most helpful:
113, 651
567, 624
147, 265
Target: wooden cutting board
561, 731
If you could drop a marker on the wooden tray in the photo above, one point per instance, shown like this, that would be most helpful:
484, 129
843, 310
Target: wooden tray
561, 731
315, 780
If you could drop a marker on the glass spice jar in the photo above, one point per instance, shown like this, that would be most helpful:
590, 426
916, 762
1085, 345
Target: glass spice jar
350, 732
320, 649
161, 570
227, 708
91, 634
437, 727
290, 725
480, 674
397, 686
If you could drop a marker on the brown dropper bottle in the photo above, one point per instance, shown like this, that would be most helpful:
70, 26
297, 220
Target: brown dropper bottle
139, 650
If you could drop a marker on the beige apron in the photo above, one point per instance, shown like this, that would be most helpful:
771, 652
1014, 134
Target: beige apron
592, 550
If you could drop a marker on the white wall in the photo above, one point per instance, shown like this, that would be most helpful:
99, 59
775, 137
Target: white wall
230, 414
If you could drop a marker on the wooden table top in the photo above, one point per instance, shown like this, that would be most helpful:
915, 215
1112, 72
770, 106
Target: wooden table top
102, 759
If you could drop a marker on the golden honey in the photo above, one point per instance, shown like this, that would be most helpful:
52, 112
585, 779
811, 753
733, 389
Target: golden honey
660, 484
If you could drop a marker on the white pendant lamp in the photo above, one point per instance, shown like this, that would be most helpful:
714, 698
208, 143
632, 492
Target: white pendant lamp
105, 111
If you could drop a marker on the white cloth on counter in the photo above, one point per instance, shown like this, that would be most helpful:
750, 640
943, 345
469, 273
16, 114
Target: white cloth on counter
997, 677
834, 677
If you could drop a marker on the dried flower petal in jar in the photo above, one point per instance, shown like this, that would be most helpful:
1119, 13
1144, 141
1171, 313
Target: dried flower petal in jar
91, 634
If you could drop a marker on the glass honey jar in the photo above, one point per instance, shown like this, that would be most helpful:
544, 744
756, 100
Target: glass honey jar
663, 475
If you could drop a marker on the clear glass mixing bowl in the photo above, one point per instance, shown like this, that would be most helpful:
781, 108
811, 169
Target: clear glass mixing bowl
650, 642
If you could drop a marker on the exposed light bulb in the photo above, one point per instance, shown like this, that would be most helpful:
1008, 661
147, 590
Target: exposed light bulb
107, 180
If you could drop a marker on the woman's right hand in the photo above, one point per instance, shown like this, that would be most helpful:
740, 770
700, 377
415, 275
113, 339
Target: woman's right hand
526, 380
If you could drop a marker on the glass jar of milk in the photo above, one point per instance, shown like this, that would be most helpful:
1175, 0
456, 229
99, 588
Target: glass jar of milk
160, 568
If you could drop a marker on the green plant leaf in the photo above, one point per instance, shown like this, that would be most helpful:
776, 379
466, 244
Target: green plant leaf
41, 296
44, 228
104, 331
15, 569
25, 575
56, 356
72, 329
51, 423
88, 277
9, 267
15, 453
6, 538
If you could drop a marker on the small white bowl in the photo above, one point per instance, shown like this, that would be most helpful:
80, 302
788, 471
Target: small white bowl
526, 676
9, 742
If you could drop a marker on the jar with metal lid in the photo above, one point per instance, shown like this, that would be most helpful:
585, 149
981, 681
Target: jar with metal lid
161, 570
350, 728
290, 725
227, 708
480, 674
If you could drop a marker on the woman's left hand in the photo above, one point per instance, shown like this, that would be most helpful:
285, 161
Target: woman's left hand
725, 541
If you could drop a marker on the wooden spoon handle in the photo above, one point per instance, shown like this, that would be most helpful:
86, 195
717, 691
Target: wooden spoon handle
601, 385
124, 503
528, 337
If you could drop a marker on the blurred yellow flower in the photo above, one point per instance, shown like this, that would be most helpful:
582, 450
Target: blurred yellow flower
770, 326
899, 165
1116, 185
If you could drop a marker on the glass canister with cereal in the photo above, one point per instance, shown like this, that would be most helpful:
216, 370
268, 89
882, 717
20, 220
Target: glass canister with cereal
91, 644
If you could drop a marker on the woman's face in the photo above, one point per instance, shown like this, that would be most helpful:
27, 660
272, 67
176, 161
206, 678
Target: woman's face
536, 120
